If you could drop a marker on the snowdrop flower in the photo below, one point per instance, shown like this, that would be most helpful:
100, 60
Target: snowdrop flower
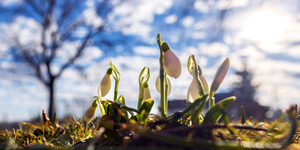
193, 92
172, 63
157, 84
105, 84
90, 113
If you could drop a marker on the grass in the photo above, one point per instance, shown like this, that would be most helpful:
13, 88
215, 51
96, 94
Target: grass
75, 134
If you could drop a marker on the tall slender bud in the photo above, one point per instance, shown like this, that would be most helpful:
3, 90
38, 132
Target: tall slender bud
90, 113
219, 76
105, 84
172, 64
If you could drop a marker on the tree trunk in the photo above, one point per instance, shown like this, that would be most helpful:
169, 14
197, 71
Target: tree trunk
51, 99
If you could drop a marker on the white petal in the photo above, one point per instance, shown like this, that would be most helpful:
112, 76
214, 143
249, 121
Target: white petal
192, 93
220, 75
172, 64
90, 113
157, 85
104, 86
204, 84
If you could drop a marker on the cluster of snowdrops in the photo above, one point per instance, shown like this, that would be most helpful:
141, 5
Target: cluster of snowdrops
170, 66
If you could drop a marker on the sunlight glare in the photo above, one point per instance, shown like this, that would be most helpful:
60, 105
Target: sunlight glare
265, 25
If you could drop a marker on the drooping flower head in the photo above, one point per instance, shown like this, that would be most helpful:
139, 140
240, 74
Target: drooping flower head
105, 84
172, 64
194, 91
90, 113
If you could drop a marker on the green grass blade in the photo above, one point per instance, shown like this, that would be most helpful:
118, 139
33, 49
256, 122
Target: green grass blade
214, 114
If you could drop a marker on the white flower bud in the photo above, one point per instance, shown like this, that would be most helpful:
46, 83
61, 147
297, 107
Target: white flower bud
172, 64
157, 84
219, 76
90, 113
105, 84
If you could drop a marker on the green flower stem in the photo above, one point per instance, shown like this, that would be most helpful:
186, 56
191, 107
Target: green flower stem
141, 96
166, 95
116, 90
163, 99
102, 110
211, 101
197, 114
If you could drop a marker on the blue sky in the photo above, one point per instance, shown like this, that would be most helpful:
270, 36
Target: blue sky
265, 34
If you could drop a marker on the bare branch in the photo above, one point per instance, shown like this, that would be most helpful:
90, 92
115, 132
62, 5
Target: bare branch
36, 8
77, 55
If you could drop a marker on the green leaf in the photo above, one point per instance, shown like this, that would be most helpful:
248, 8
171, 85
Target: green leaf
130, 109
214, 114
191, 106
105, 105
147, 105
194, 104
196, 115
121, 99
64, 140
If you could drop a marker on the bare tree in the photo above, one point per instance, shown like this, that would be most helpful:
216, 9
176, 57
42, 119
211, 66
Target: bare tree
58, 21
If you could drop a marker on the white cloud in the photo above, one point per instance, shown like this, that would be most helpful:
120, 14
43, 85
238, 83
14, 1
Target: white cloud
200, 25
10, 2
229, 4
67, 50
187, 21
146, 51
24, 27
251, 52
294, 51
198, 35
3, 49
228, 39
201, 6
135, 17
214, 49
171, 19
174, 38
91, 18
81, 32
